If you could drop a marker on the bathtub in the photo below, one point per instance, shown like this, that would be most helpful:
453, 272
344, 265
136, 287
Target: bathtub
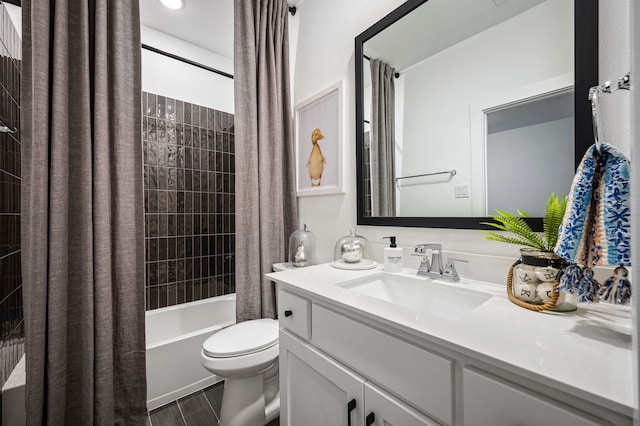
174, 339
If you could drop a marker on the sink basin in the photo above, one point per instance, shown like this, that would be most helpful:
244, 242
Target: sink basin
426, 296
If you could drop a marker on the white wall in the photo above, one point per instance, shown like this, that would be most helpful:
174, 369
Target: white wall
544, 164
400, 83
15, 13
175, 79
533, 46
615, 61
169, 77
324, 49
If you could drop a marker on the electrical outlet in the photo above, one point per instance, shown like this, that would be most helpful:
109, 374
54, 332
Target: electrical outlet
462, 191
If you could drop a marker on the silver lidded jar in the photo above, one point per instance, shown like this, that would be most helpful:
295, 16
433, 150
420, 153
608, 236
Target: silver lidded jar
350, 248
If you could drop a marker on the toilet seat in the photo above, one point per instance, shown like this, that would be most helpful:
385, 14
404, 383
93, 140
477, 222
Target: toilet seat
242, 339
243, 349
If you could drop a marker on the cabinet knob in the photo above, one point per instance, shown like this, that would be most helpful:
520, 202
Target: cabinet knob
288, 313
351, 405
371, 419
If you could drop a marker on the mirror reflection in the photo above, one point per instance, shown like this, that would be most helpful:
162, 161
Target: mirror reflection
469, 107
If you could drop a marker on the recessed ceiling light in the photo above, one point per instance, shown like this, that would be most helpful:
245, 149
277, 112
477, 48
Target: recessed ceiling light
173, 4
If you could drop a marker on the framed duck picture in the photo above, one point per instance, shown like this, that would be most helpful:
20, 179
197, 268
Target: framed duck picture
319, 142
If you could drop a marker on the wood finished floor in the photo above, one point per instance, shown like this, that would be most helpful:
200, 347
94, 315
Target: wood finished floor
201, 408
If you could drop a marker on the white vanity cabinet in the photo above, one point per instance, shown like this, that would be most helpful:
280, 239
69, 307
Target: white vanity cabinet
382, 409
294, 314
491, 401
420, 377
316, 390
338, 367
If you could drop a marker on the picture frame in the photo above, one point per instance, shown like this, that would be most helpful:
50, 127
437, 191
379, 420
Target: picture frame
318, 141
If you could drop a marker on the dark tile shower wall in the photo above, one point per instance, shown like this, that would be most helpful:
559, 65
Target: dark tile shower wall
189, 190
11, 320
366, 174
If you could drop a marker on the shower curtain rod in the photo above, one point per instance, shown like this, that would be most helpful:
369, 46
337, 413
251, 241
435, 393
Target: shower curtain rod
292, 10
186, 61
396, 75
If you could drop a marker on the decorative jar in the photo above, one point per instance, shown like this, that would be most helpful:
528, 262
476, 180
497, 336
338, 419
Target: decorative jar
301, 247
533, 281
350, 249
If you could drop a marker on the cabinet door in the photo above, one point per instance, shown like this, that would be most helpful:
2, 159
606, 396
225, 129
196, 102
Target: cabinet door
381, 409
414, 374
489, 401
315, 390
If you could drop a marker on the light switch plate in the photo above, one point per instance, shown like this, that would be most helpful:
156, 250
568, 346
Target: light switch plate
462, 191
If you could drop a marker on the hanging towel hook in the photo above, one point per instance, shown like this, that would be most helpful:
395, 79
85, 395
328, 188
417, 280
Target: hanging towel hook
594, 97
624, 83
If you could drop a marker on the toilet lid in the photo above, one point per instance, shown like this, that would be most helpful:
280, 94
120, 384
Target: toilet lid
242, 339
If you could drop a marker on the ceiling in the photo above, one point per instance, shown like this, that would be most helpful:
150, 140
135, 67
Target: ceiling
205, 23
437, 25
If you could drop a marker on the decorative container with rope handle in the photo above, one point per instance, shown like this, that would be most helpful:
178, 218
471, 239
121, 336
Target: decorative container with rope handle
533, 280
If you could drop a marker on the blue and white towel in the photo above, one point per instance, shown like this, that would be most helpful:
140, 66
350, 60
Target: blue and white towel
596, 228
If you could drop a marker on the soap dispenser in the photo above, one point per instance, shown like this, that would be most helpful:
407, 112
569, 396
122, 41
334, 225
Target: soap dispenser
393, 261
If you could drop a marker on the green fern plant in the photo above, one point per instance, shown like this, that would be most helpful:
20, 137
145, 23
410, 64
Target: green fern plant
522, 232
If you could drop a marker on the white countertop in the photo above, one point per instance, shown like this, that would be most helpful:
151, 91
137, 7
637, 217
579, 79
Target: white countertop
586, 353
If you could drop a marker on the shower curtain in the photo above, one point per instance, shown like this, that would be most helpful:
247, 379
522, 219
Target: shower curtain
266, 212
383, 175
82, 221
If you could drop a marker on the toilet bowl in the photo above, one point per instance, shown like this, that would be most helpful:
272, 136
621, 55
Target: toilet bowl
246, 356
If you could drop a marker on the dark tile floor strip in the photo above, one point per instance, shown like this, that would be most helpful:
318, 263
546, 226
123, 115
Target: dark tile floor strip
214, 395
201, 408
168, 415
197, 411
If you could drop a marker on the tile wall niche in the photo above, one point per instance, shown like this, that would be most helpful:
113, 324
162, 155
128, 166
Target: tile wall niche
189, 198
11, 314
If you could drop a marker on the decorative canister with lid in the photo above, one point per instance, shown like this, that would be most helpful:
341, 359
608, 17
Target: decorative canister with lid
350, 249
533, 281
301, 247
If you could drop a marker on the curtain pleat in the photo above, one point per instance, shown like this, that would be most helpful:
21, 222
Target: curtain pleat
383, 139
82, 222
266, 210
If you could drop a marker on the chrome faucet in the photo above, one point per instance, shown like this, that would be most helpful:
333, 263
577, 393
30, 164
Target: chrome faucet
436, 260
434, 269
450, 272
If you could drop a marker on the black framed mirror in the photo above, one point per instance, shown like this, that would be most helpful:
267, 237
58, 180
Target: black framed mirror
503, 101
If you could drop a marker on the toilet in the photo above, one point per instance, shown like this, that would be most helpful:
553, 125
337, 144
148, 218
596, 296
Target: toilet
246, 356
